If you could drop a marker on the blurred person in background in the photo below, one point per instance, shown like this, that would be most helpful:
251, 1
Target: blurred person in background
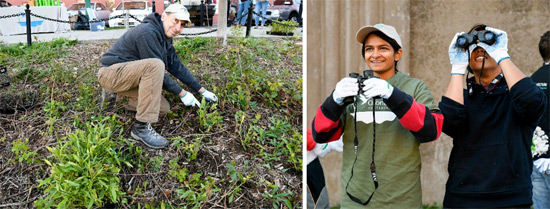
541, 156
317, 196
242, 13
260, 7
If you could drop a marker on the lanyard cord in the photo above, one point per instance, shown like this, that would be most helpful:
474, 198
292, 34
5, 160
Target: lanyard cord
372, 164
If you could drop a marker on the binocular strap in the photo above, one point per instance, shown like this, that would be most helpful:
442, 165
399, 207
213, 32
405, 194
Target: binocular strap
372, 164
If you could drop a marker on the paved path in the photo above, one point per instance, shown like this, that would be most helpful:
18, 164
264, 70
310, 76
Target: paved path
116, 33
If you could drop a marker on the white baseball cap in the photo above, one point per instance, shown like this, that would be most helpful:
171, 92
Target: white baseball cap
386, 29
179, 10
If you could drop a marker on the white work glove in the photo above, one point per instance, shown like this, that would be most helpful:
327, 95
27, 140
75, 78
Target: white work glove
458, 57
543, 165
209, 96
499, 50
344, 88
377, 87
310, 156
189, 100
323, 149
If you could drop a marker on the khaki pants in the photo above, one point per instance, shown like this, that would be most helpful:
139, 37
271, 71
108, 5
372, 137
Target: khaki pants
141, 81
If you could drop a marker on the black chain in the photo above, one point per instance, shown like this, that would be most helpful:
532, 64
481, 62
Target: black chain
275, 21
200, 33
12, 15
89, 21
101, 20
135, 18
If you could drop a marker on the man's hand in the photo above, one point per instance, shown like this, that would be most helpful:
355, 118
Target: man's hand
499, 50
377, 87
189, 100
345, 88
209, 96
458, 57
543, 165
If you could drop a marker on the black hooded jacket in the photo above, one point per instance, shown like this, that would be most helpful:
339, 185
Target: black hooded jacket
490, 164
147, 40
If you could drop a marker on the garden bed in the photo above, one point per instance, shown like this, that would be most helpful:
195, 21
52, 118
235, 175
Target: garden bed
242, 152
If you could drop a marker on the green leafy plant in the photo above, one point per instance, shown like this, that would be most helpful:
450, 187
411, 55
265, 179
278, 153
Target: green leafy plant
277, 197
237, 179
196, 191
288, 27
208, 119
84, 170
22, 153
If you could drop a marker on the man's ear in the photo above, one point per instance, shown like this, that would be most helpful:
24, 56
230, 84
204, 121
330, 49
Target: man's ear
163, 16
398, 54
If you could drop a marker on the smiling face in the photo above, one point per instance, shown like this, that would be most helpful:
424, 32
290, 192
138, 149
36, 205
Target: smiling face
380, 56
172, 26
476, 60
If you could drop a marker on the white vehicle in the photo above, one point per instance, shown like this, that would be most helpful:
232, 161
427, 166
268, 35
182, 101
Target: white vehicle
138, 9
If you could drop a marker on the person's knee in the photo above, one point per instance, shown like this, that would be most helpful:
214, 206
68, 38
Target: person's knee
156, 65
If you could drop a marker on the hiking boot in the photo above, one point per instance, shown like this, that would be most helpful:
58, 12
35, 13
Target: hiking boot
146, 134
107, 98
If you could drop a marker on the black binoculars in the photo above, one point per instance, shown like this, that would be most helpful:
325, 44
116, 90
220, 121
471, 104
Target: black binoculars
465, 40
367, 74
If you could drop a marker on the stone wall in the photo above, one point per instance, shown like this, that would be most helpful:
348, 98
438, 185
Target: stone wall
426, 28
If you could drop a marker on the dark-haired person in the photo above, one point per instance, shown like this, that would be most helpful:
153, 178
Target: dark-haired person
404, 117
540, 151
491, 123
135, 67
317, 194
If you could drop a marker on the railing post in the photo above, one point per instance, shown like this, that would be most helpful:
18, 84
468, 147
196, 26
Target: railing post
228, 7
28, 17
154, 7
249, 19
202, 13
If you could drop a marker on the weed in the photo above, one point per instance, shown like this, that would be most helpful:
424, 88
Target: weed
237, 31
237, 179
21, 151
83, 171
195, 190
277, 197
280, 140
208, 119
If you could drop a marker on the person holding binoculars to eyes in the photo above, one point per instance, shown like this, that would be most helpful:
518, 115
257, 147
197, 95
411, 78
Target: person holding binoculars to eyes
382, 118
491, 123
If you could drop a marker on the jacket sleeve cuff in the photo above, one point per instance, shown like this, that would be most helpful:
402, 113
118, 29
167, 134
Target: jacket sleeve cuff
399, 102
331, 109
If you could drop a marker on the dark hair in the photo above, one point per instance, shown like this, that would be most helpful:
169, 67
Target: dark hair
477, 27
386, 38
544, 46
